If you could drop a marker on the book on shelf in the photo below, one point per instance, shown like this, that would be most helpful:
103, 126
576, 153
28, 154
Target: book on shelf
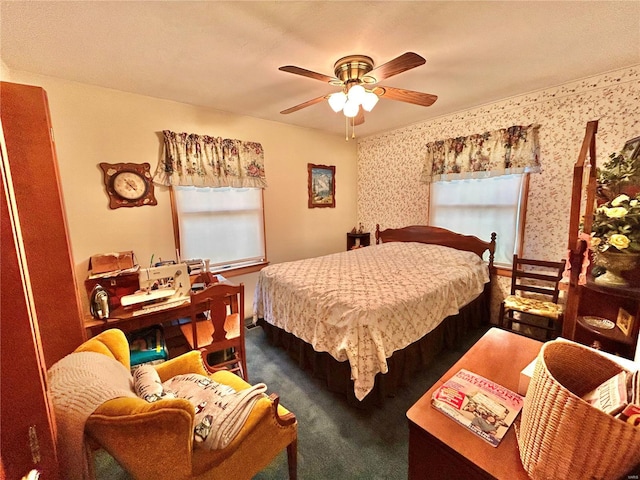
479, 404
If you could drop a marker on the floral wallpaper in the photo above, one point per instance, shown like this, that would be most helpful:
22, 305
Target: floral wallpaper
389, 165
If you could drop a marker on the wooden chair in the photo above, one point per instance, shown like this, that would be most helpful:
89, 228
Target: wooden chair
533, 301
217, 325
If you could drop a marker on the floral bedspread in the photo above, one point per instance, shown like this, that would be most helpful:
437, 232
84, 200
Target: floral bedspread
365, 304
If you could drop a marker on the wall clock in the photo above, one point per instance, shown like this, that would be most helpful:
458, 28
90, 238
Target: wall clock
128, 184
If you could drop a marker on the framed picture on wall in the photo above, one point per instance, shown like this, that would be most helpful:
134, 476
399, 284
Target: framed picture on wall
625, 321
322, 185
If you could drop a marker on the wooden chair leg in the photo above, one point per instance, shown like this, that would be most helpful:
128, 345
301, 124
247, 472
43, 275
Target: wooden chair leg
292, 459
551, 329
501, 316
509, 318
243, 361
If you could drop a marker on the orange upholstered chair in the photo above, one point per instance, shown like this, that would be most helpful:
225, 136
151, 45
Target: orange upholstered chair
155, 440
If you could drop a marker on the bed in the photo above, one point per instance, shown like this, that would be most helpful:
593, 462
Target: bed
364, 319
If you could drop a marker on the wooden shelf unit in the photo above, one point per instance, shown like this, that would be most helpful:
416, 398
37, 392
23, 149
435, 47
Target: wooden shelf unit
600, 301
591, 298
352, 240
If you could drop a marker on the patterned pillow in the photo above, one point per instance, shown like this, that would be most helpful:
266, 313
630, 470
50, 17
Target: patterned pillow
148, 386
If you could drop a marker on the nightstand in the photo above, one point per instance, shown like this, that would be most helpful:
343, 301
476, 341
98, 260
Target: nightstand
357, 240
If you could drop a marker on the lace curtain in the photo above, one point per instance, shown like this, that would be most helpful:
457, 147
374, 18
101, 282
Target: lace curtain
500, 152
204, 161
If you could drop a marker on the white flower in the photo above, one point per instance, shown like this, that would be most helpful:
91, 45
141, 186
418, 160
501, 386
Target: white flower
618, 200
619, 241
616, 212
617, 228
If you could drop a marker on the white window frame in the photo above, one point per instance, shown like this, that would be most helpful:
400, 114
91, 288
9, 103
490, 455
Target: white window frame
227, 264
509, 241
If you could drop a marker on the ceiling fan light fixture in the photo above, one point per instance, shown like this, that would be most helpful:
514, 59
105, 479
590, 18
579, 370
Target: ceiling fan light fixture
357, 77
369, 101
350, 109
337, 101
356, 94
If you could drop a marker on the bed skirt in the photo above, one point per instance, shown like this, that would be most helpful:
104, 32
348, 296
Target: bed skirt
402, 364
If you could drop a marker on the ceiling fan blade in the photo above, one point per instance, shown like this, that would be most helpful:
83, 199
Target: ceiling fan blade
409, 96
308, 103
359, 118
400, 64
308, 73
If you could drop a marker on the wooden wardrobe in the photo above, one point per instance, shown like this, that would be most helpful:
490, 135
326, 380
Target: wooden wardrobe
41, 318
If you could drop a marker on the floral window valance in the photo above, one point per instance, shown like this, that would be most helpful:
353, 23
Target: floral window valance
500, 152
204, 161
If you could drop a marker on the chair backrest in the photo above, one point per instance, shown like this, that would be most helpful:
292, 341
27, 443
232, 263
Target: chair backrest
221, 300
112, 343
537, 276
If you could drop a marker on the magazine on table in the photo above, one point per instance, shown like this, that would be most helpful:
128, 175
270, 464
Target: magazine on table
484, 407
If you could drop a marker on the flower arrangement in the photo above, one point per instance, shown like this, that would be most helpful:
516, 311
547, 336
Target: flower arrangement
616, 226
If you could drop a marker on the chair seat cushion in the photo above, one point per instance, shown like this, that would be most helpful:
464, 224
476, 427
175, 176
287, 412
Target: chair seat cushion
533, 306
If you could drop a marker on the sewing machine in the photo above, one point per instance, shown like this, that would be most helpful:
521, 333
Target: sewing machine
166, 284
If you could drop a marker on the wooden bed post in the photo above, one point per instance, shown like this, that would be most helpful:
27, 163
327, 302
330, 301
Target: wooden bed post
492, 251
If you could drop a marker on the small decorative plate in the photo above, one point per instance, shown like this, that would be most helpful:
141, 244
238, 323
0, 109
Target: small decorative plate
599, 322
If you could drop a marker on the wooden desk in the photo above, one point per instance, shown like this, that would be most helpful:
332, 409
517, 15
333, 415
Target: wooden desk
126, 321
441, 449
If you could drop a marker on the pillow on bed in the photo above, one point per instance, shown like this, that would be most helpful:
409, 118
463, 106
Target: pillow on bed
148, 386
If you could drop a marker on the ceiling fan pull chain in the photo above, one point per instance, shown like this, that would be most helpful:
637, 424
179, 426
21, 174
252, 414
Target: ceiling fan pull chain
353, 127
346, 128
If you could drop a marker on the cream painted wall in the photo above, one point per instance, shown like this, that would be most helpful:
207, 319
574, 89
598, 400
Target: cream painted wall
93, 125
5, 73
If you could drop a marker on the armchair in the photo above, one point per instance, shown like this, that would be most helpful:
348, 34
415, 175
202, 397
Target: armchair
155, 440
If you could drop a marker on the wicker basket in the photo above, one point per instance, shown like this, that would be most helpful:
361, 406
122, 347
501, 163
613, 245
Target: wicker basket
563, 437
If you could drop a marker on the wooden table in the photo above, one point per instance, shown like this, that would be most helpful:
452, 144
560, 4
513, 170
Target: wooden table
126, 321
441, 449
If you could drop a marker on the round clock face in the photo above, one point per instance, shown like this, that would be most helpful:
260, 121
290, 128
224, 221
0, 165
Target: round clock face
129, 185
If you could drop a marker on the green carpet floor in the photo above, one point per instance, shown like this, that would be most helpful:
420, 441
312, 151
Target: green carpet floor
335, 440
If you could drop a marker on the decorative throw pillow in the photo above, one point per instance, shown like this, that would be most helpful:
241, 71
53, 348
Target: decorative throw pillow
148, 386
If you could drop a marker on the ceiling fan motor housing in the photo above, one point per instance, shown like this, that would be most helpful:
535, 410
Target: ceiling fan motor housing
353, 68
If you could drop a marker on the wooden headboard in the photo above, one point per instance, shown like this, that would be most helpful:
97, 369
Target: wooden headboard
438, 236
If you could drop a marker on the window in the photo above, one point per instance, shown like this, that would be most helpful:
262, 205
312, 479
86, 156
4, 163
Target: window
481, 206
224, 225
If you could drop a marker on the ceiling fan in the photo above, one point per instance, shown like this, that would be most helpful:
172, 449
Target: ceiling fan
358, 77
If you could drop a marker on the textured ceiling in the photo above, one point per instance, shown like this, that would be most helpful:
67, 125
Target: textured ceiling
225, 55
